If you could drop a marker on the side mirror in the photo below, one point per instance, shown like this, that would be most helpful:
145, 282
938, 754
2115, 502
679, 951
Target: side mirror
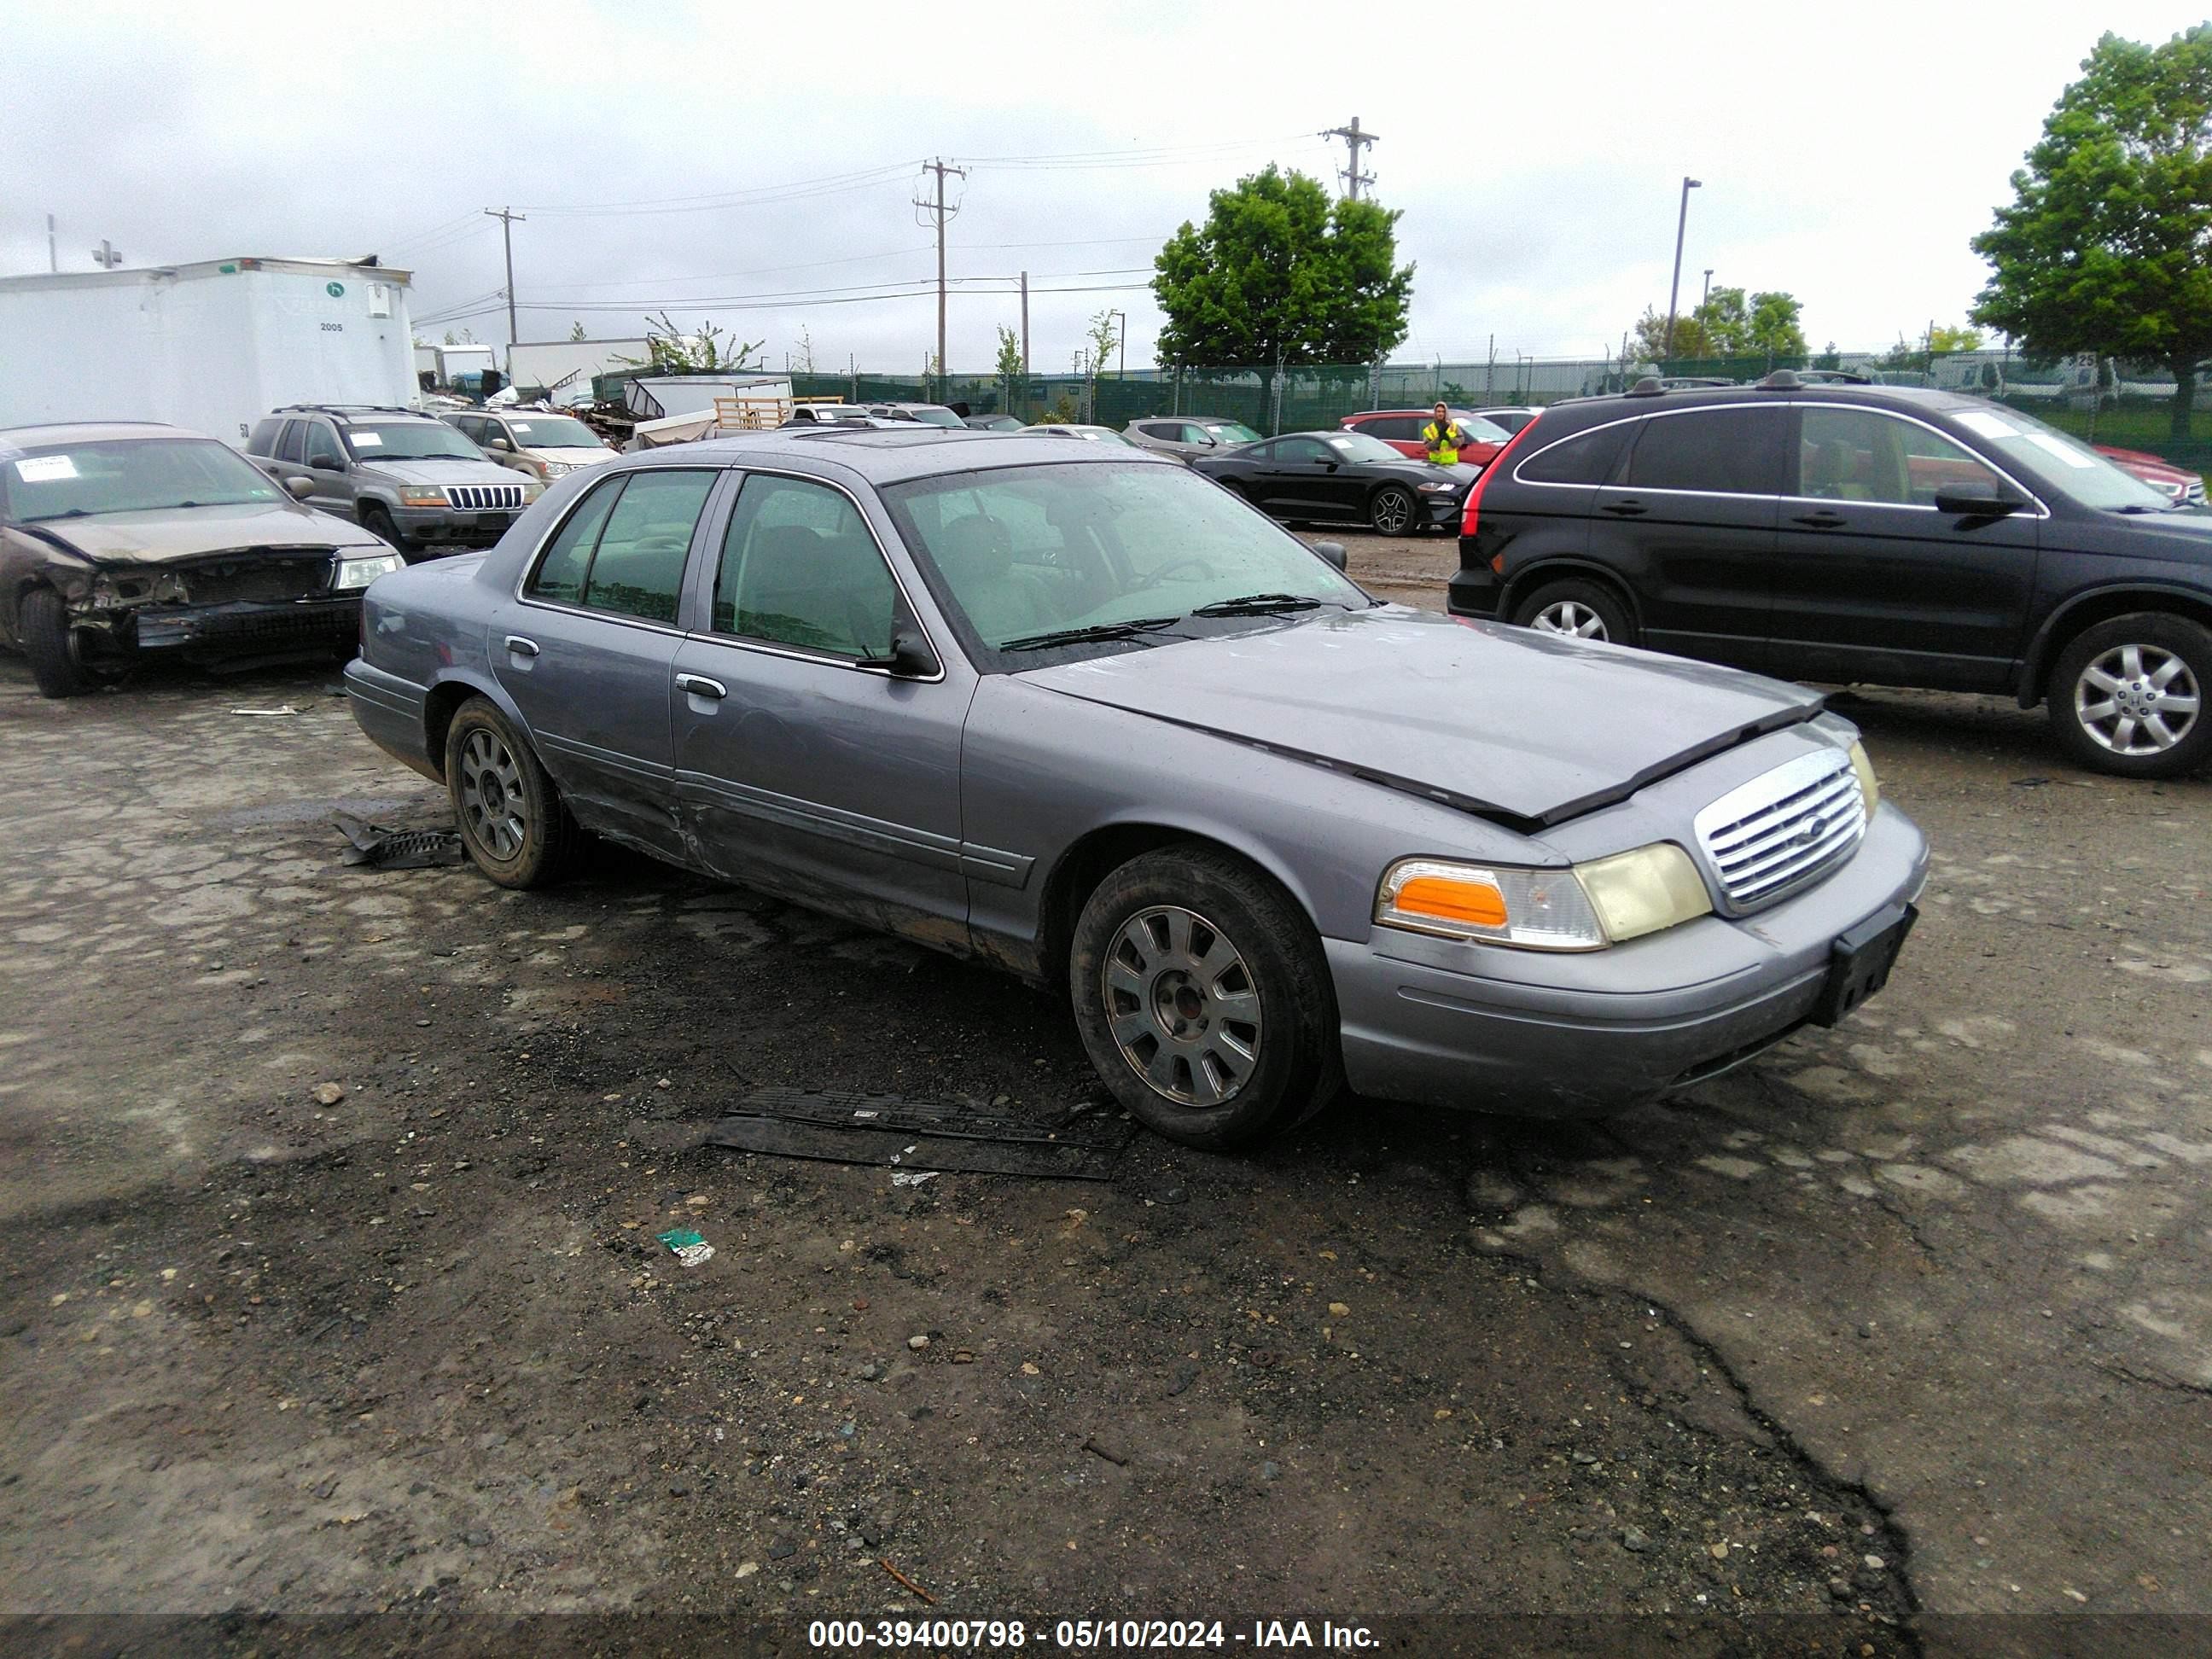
909, 657
1978, 501
301, 488
1332, 552
500, 443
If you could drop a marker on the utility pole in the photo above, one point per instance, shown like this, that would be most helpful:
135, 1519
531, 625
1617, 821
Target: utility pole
53, 259
1707, 294
1674, 289
506, 216
1025, 332
105, 256
1122, 339
936, 208
1355, 142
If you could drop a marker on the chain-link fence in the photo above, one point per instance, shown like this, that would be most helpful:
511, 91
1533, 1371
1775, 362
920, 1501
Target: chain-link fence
2103, 400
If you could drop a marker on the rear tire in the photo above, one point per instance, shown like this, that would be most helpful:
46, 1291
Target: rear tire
1577, 609
50, 643
1393, 511
511, 819
1203, 1000
2127, 696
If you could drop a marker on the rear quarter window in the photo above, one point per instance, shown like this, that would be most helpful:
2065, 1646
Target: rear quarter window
1587, 457
263, 441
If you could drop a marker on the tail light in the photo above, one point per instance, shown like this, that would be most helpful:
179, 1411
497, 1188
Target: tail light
1472, 513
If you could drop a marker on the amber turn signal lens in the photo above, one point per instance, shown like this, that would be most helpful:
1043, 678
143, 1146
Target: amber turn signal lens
1475, 902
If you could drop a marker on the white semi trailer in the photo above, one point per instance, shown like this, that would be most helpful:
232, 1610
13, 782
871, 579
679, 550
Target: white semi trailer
212, 345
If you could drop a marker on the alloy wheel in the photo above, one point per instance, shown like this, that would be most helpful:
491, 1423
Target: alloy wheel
493, 801
1392, 512
1571, 617
1182, 1006
2138, 700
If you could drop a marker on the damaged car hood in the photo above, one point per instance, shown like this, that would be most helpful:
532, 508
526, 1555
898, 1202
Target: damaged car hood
1508, 722
164, 535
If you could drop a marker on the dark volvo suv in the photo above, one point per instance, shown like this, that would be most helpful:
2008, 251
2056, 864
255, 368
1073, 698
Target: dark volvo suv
1876, 534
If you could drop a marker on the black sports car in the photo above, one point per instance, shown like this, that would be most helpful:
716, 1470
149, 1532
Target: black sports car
1342, 478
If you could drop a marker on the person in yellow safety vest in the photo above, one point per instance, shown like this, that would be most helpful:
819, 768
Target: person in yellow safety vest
1444, 436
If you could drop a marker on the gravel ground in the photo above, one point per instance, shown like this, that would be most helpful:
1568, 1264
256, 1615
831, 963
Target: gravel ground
1908, 1316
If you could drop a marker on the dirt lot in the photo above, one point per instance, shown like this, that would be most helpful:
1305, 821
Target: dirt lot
1908, 1316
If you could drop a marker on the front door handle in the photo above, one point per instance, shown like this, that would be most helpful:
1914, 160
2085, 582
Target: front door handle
699, 686
521, 646
1823, 519
1627, 509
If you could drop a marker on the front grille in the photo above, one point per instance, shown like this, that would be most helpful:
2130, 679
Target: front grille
2193, 492
1784, 829
485, 498
255, 578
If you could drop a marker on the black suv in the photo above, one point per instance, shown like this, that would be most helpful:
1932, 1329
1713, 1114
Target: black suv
1878, 534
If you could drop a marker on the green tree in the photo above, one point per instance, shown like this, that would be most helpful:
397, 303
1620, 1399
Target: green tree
1773, 326
1010, 365
1103, 334
2106, 246
1943, 338
671, 351
1647, 341
576, 330
1280, 271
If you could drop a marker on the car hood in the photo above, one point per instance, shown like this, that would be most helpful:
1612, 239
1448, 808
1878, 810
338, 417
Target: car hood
578, 456
1526, 727
155, 538
436, 470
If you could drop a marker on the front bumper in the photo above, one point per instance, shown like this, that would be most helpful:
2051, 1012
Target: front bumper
446, 528
244, 627
1442, 1022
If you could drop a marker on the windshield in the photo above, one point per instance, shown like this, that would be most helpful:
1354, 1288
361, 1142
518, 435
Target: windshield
934, 415
1230, 432
409, 440
1020, 552
2052, 459
1482, 431
127, 475
1358, 446
554, 432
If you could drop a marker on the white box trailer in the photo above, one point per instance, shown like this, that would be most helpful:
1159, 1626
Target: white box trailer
212, 346
565, 368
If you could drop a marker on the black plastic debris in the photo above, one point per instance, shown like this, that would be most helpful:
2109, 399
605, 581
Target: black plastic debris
840, 1126
379, 848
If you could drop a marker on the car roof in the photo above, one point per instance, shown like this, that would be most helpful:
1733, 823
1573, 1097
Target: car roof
1613, 405
90, 432
886, 455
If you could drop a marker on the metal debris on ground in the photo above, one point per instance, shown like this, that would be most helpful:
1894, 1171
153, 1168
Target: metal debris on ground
379, 848
841, 1127
686, 1246
286, 708
913, 1177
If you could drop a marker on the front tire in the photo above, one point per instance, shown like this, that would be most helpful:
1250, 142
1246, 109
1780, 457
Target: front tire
1581, 610
511, 819
51, 645
1203, 1000
1394, 512
377, 521
2127, 696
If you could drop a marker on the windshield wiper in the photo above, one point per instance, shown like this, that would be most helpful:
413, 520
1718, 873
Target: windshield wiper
2134, 506
1258, 604
1121, 630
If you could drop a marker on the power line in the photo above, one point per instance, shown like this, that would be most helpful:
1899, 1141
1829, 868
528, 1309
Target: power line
1355, 142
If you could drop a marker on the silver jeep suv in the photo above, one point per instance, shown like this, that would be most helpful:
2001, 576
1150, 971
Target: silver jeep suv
409, 478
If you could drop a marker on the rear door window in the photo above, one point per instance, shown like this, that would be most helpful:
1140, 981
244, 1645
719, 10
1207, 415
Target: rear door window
1715, 452
637, 570
293, 446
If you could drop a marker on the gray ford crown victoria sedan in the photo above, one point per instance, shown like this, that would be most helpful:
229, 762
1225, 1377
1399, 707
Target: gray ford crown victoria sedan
1081, 714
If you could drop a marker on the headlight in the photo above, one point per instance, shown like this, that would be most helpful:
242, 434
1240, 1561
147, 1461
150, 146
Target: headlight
421, 496
1869, 790
554, 469
532, 489
360, 573
1586, 908
1436, 488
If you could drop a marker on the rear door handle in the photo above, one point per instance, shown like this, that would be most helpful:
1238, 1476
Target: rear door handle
521, 646
1823, 519
1627, 509
699, 686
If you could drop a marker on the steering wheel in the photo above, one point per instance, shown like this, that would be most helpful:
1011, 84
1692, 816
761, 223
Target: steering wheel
1174, 565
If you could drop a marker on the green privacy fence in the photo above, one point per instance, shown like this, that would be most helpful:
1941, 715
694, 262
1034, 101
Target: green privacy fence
2101, 400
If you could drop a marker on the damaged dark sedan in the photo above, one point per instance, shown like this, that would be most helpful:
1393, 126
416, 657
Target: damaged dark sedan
121, 539
1078, 712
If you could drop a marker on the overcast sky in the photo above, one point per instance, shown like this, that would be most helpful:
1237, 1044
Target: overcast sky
741, 161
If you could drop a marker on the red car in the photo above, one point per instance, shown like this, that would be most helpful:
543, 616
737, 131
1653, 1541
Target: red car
2174, 483
1401, 429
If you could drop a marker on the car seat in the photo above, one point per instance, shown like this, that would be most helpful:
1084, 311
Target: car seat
976, 556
